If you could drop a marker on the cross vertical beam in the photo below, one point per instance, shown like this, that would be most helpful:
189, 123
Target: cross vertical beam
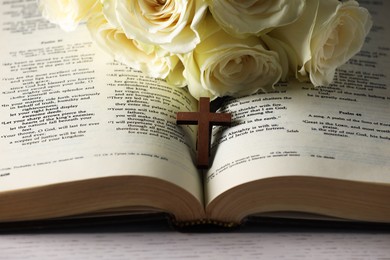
205, 121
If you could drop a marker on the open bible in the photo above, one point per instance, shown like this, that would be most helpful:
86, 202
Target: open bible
82, 136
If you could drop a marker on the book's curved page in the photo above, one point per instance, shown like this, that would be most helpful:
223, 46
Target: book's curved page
69, 112
339, 132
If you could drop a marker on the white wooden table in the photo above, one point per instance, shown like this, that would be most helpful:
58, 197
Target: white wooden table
171, 245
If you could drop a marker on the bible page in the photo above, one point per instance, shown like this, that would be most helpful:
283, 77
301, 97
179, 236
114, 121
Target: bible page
341, 131
69, 112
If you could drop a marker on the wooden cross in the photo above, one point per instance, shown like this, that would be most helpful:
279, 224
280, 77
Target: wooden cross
205, 121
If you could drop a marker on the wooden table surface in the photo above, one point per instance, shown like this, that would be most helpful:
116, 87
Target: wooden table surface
161, 244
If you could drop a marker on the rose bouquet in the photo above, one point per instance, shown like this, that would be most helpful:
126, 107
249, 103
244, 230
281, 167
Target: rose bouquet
222, 47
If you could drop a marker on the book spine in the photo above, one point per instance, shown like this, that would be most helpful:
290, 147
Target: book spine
203, 222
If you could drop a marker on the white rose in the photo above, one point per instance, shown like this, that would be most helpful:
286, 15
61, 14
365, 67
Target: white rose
109, 11
244, 18
224, 65
172, 24
325, 37
150, 59
68, 13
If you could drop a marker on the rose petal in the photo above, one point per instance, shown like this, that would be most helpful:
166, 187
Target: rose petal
151, 59
245, 18
172, 24
68, 13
